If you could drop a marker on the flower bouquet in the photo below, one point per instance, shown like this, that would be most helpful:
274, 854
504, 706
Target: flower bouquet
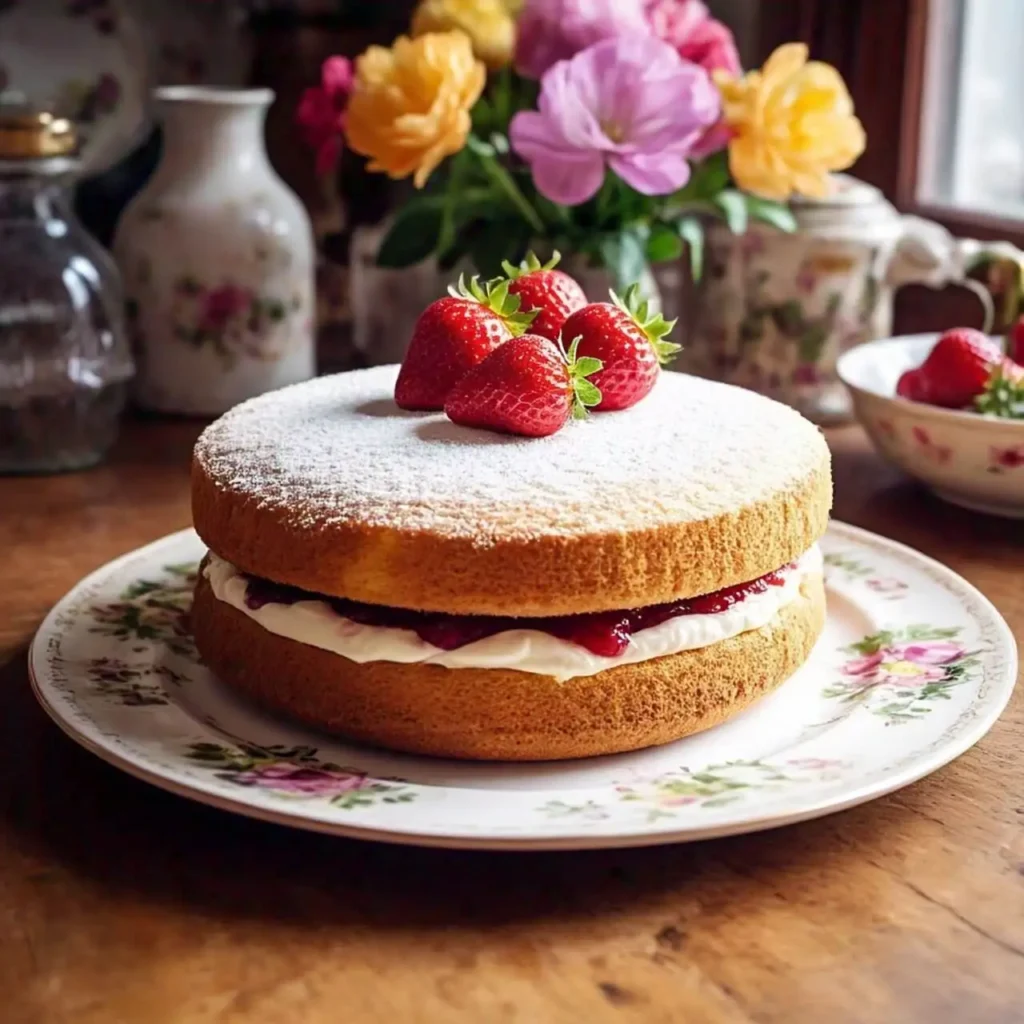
607, 129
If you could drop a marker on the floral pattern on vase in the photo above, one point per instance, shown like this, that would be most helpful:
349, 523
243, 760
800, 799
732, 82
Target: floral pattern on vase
773, 312
217, 258
230, 318
899, 674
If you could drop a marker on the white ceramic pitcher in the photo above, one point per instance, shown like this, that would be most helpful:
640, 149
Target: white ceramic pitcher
217, 258
774, 311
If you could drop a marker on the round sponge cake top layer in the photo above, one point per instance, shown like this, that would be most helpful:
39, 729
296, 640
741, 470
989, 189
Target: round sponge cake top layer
330, 487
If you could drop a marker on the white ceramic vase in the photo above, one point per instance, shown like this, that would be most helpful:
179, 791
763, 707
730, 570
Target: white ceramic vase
217, 258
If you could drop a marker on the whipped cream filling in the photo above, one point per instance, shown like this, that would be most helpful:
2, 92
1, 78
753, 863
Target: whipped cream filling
316, 623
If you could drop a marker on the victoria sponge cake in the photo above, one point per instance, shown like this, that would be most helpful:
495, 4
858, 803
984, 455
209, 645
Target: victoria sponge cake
388, 575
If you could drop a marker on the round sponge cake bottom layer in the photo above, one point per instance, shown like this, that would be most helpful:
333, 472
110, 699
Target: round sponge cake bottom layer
504, 715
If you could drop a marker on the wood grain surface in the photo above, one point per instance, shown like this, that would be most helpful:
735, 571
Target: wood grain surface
119, 902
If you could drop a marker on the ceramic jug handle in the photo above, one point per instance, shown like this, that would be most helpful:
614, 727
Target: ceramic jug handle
926, 253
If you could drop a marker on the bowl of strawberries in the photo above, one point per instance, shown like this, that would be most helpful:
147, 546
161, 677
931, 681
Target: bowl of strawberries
949, 410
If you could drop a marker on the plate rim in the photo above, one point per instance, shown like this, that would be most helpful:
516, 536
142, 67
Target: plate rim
925, 765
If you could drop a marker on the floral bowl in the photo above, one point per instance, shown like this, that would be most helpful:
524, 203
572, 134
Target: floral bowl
970, 460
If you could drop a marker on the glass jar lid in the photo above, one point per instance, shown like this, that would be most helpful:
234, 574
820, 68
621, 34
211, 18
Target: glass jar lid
30, 135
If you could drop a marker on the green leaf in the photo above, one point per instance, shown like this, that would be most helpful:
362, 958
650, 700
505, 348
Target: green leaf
413, 234
585, 394
586, 365
624, 255
530, 264
1003, 396
663, 244
653, 324
779, 215
733, 206
691, 231
710, 176
495, 296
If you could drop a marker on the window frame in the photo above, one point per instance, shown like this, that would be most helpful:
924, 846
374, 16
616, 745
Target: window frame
881, 48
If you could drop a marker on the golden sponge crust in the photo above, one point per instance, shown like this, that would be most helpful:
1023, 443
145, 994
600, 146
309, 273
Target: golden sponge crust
491, 714
328, 487
543, 575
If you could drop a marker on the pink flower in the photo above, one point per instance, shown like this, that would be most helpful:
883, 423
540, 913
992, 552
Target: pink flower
688, 27
716, 138
632, 104
321, 112
221, 304
298, 780
863, 666
931, 652
553, 30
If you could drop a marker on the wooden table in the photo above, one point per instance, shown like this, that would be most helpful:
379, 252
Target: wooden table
121, 903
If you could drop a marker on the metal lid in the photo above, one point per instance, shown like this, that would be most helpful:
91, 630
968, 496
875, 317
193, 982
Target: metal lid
32, 135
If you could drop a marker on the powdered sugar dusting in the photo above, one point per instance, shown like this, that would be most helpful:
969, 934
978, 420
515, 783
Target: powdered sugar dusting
338, 450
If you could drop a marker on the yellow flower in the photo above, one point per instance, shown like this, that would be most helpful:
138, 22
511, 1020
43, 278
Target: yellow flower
792, 124
410, 105
488, 24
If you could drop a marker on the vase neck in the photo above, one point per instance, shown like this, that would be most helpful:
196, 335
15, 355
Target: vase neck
208, 132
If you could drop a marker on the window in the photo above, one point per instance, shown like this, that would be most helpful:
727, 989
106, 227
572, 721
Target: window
971, 138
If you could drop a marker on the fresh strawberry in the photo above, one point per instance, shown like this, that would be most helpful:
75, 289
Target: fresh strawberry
527, 386
452, 336
629, 340
911, 386
1015, 341
552, 293
958, 368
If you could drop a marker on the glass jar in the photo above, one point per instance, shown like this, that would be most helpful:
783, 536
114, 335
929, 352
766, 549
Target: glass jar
64, 356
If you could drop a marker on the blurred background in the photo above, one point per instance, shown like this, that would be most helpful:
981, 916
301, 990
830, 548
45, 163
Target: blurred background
206, 304
933, 82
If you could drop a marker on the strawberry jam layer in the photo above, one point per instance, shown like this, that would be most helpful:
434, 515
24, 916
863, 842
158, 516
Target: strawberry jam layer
606, 634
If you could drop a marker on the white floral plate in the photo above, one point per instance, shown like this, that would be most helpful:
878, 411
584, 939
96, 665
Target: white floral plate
914, 667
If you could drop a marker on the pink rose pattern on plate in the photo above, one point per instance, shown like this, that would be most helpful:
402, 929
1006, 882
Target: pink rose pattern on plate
717, 785
151, 611
296, 773
901, 673
890, 588
896, 674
